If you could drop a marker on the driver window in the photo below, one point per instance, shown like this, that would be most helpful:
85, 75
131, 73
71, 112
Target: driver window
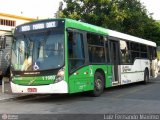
75, 50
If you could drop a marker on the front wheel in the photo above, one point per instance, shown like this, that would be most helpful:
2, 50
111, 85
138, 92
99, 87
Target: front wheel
98, 84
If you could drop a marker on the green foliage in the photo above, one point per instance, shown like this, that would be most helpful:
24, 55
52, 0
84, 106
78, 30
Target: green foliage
127, 16
158, 55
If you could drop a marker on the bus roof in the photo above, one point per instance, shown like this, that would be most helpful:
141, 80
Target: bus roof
130, 38
70, 23
85, 26
88, 27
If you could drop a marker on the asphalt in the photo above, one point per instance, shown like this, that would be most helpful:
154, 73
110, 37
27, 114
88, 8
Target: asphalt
7, 94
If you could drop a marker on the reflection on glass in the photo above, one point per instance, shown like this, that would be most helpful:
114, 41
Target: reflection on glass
38, 51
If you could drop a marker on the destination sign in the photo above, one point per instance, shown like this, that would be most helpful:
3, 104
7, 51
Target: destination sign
38, 26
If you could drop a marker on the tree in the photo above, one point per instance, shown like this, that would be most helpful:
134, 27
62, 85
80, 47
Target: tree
127, 16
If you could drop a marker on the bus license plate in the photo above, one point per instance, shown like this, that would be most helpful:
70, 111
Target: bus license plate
32, 89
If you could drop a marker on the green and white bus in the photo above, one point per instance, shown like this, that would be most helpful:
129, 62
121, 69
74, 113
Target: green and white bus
69, 56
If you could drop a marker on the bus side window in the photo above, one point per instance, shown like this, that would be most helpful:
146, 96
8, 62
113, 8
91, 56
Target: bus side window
152, 53
143, 51
95, 48
125, 53
70, 44
75, 50
135, 51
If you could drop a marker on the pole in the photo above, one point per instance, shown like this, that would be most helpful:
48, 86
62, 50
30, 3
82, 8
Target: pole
3, 80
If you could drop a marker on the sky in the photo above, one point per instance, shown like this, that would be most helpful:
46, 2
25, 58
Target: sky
153, 6
30, 8
48, 8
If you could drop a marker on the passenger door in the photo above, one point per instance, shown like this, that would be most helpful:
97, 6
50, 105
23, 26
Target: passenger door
115, 60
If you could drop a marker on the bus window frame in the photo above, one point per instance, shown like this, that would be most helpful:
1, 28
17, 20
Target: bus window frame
102, 46
84, 45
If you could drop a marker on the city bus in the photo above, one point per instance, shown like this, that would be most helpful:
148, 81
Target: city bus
58, 56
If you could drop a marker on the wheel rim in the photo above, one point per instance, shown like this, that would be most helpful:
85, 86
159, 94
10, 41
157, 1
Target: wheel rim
98, 84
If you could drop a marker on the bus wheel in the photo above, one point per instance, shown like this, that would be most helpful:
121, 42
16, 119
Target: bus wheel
98, 84
146, 76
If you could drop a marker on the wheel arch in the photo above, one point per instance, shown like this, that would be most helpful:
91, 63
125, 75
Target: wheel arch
103, 74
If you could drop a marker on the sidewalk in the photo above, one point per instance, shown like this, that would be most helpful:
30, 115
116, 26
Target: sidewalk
7, 91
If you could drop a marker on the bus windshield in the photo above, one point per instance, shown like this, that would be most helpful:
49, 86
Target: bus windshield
38, 51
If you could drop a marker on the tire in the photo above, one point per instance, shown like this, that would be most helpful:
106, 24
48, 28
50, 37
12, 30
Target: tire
98, 84
146, 76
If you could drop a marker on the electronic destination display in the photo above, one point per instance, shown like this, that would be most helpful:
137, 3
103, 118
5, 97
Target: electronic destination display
40, 25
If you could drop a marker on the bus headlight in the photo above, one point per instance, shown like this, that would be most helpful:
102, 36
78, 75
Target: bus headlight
60, 75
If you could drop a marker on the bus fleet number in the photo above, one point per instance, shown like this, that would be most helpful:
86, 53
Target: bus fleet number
48, 77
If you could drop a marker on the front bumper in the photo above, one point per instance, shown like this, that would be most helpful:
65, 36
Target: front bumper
60, 87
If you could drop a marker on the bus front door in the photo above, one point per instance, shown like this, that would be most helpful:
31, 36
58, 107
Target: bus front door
115, 60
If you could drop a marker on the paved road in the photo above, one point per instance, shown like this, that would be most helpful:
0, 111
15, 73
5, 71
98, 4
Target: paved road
134, 98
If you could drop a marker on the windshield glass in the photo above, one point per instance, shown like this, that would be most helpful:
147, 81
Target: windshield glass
38, 51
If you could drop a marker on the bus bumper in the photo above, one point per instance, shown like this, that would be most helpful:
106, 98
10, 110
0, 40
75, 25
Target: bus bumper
60, 87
